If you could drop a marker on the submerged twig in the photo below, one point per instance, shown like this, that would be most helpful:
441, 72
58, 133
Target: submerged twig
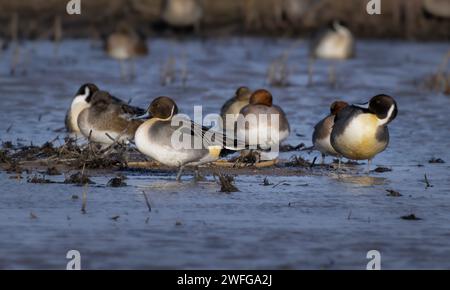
147, 202
84, 201
427, 182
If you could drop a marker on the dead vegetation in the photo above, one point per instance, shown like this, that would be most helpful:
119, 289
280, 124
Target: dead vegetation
69, 155
78, 178
76, 162
226, 183
380, 169
393, 193
439, 81
39, 180
279, 70
118, 181
298, 161
410, 217
436, 161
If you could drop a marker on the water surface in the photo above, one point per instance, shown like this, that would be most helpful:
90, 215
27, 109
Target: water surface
315, 221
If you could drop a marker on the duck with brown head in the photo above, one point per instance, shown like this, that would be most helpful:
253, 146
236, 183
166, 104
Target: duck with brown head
322, 131
108, 120
160, 137
262, 124
360, 133
231, 108
234, 105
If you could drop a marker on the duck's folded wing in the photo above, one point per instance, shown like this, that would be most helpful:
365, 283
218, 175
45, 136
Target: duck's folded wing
132, 111
213, 137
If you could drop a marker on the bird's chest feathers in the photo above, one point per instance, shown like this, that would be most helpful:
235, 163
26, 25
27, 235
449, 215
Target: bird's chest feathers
359, 139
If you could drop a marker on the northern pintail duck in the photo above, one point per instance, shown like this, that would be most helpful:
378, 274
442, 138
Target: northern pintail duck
437, 8
336, 42
322, 131
79, 103
126, 44
108, 120
261, 132
155, 138
182, 13
360, 133
233, 106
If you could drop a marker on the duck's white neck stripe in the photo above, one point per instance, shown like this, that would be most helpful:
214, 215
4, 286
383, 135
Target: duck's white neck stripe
382, 122
170, 117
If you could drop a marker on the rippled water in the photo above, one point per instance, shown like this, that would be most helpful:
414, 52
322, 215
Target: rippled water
312, 221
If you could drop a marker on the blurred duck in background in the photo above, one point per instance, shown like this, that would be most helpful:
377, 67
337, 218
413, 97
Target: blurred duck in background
335, 42
108, 120
125, 45
182, 13
438, 8
322, 131
233, 106
263, 135
3, 45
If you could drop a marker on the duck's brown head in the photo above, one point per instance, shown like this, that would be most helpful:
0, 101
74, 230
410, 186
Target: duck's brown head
384, 107
163, 108
243, 93
337, 106
261, 97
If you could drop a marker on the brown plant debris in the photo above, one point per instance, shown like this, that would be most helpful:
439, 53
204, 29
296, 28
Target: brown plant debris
226, 183
79, 179
118, 181
393, 193
410, 217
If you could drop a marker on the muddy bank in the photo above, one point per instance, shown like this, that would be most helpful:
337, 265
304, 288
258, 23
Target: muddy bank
37, 162
410, 19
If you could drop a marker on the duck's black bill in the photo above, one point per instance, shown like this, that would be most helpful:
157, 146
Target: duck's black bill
145, 116
362, 105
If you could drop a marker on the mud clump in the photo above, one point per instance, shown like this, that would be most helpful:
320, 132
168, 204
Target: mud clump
436, 161
381, 170
118, 181
249, 157
78, 179
393, 193
298, 161
226, 183
410, 217
39, 180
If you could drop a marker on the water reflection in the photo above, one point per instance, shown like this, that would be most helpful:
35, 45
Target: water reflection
361, 180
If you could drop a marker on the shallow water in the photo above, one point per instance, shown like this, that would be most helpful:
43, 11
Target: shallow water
315, 221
